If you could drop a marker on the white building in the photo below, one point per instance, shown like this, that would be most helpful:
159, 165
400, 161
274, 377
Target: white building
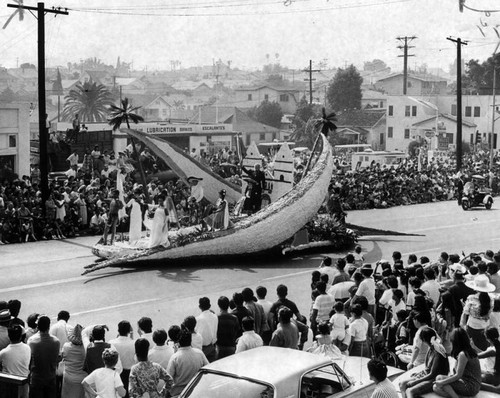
409, 117
15, 137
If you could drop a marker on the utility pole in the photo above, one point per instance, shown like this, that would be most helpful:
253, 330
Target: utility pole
310, 80
460, 43
42, 116
217, 93
405, 56
494, 110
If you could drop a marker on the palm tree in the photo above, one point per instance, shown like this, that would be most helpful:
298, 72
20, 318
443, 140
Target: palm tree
126, 114
90, 100
324, 125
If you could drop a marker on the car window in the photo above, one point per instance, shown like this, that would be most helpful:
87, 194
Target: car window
210, 385
324, 382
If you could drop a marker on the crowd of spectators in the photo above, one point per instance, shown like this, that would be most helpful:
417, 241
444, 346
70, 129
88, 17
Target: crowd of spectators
79, 198
422, 311
408, 183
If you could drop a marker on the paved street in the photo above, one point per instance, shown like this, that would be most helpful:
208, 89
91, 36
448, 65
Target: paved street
45, 276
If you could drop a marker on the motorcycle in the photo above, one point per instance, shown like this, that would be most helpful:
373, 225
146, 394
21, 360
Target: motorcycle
480, 197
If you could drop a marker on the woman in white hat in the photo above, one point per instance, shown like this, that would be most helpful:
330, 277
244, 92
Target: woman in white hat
477, 309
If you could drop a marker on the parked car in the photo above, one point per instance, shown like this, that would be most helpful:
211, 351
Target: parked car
272, 372
476, 194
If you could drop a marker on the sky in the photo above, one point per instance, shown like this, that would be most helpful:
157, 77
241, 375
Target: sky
152, 33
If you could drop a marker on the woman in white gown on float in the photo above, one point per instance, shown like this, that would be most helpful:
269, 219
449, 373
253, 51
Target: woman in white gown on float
159, 228
135, 231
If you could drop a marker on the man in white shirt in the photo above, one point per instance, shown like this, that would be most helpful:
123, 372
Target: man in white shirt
15, 358
161, 352
327, 269
249, 339
124, 344
261, 292
61, 329
367, 288
73, 159
145, 325
431, 286
206, 325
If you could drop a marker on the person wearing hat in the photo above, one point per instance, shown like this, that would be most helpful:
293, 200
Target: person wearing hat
367, 288
476, 314
219, 219
73, 356
256, 187
113, 217
198, 194
5, 318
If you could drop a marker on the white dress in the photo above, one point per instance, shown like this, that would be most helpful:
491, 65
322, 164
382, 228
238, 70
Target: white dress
159, 229
135, 230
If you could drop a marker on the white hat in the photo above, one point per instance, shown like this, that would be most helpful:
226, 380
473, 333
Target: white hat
458, 267
481, 283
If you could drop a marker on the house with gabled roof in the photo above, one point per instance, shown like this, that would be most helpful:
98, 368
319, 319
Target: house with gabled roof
363, 126
417, 84
250, 129
250, 96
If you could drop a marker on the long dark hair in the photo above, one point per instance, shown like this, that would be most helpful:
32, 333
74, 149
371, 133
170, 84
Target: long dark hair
460, 341
485, 304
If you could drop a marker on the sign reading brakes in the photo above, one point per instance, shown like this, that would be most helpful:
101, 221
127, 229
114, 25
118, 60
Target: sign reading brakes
157, 128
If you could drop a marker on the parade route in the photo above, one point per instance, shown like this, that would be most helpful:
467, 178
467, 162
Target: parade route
46, 276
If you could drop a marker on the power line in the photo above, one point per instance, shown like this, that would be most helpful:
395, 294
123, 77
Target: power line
226, 14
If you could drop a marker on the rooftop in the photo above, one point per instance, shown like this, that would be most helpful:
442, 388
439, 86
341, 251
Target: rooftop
360, 118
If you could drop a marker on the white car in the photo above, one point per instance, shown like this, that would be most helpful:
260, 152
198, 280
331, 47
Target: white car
272, 372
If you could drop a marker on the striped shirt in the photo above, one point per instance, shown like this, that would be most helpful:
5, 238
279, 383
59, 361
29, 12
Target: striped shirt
385, 389
324, 305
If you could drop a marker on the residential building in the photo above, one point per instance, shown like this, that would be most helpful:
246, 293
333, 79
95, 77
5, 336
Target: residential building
416, 84
15, 137
410, 117
365, 126
373, 99
287, 98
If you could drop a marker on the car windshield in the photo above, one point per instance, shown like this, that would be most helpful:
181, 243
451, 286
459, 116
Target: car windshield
210, 385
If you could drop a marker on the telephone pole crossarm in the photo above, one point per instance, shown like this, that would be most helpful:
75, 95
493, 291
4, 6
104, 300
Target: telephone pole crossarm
310, 80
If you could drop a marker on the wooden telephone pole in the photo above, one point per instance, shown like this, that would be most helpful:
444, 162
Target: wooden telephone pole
405, 40
42, 114
460, 43
310, 80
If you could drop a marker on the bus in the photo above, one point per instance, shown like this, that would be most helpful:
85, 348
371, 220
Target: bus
362, 160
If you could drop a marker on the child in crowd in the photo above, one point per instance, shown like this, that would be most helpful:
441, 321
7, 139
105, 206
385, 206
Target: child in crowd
339, 323
324, 343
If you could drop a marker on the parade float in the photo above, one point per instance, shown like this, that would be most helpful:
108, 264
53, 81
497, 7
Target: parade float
262, 231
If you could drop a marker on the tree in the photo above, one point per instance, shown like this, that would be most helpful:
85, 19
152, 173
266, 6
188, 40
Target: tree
303, 132
8, 95
269, 113
125, 114
57, 88
344, 91
90, 100
479, 76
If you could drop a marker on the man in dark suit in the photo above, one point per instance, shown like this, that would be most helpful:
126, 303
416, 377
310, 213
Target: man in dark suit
260, 184
459, 292
460, 189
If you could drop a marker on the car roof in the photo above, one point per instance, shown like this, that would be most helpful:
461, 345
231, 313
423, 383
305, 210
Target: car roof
268, 364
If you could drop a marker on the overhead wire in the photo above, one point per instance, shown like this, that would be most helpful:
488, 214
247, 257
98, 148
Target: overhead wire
288, 10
